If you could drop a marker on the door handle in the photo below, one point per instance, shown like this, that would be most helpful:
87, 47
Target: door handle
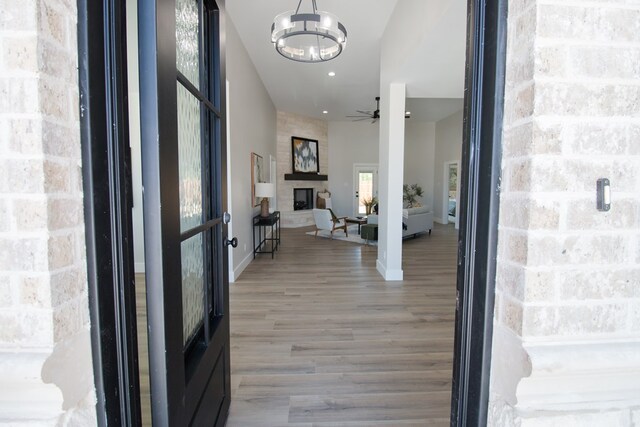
226, 218
233, 242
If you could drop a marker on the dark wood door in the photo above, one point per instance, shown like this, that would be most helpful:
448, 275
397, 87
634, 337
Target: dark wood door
183, 174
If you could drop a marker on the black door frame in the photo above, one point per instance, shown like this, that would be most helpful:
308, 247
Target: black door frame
106, 175
479, 208
109, 236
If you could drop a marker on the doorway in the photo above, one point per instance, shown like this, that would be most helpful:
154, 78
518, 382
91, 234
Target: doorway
477, 206
365, 188
450, 193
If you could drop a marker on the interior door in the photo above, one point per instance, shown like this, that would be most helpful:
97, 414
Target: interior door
365, 184
182, 103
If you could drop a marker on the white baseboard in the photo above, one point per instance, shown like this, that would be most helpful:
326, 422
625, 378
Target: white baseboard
233, 275
139, 267
389, 275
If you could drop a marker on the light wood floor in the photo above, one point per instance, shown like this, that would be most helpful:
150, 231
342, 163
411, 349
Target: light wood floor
319, 339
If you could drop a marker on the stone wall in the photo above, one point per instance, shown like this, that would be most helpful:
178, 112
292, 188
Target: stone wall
290, 124
46, 375
566, 347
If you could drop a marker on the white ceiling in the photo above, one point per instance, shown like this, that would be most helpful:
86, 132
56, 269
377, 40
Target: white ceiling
307, 89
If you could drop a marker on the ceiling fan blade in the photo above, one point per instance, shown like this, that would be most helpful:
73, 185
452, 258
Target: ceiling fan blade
365, 112
358, 117
361, 119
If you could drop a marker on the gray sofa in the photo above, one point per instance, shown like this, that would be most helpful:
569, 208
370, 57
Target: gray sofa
414, 220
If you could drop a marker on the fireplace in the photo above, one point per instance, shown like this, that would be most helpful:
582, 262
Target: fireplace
302, 199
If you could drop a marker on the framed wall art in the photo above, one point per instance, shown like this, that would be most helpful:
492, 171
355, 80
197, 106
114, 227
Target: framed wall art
304, 155
257, 168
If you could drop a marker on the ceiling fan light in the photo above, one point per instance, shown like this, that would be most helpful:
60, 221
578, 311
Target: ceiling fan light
308, 37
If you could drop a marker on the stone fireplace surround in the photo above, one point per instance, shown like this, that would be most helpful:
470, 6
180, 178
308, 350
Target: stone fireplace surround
290, 124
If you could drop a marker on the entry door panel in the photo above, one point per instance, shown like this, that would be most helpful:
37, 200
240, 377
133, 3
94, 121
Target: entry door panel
183, 173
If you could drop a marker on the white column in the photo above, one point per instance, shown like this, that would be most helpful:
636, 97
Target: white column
389, 262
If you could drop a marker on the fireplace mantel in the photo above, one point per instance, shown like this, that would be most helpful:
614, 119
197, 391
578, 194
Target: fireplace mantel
305, 177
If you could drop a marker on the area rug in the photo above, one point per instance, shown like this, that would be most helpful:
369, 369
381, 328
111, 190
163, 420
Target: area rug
354, 237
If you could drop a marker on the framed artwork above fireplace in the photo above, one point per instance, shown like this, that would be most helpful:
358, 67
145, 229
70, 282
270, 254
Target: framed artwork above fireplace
304, 155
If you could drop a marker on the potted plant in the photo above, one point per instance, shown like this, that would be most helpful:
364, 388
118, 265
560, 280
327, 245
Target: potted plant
410, 194
369, 204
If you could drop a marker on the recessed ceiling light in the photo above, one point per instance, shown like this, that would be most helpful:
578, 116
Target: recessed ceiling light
325, 112
332, 73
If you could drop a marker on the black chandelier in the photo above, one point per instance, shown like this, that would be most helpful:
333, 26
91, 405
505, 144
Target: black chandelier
308, 37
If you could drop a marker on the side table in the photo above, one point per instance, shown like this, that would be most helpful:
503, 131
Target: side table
262, 225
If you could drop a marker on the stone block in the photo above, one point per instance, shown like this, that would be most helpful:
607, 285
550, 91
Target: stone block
634, 322
25, 136
18, 16
556, 250
604, 62
21, 176
587, 99
517, 140
56, 62
551, 61
61, 251
65, 213
59, 141
581, 320
57, 177
35, 291
54, 99
598, 139
510, 280
596, 24
517, 176
19, 54
6, 292
5, 215
539, 321
51, 23
512, 313
603, 284
19, 95
520, 105
30, 214
583, 215
513, 247
25, 327
67, 320
536, 137
540, 286
634, 140
26, 254
67, 285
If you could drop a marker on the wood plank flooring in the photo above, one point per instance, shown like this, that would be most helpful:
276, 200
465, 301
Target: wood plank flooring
319, 339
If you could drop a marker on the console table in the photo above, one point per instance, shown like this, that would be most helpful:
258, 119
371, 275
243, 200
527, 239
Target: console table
262, 225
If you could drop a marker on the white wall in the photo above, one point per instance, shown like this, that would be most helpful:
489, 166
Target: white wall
349, 143
252, 118
419, 157
448, 148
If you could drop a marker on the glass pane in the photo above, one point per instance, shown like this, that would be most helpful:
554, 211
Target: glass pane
365, 190
189, 159
191, 253
187, 46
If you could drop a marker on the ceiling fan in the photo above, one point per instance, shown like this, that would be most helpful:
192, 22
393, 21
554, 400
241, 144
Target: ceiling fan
368, 115
373, 115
